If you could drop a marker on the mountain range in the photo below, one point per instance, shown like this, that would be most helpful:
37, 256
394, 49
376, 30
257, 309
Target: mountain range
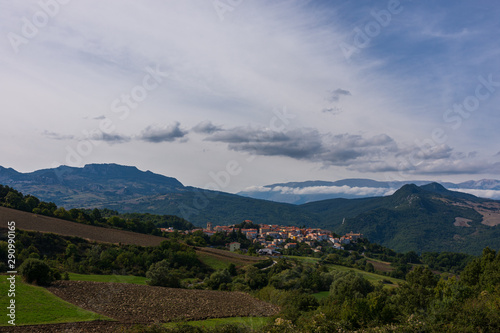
421, 217
308, 191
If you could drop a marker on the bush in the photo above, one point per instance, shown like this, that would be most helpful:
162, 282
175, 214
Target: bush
37, 271
160, 274
219, 280
350, 285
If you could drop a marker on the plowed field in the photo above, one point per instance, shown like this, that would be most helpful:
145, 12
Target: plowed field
129, 303
34, 222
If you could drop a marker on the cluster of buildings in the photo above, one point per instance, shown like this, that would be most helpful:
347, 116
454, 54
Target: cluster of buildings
276, 237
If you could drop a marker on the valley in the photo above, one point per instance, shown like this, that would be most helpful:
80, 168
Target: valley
427, 222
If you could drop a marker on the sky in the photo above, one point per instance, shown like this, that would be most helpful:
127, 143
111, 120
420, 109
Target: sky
229, 94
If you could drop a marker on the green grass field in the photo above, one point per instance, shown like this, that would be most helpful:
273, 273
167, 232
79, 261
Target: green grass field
309, 260
212, 261
35, 305
372, 277
108, 278
252, 322
321, 295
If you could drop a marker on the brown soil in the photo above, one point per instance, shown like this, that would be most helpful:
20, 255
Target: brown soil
462, 222
129, 303
34, 222
489, 210
381, 266
236, 258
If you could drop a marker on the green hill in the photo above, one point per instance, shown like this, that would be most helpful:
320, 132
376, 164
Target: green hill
418, 218
415, 218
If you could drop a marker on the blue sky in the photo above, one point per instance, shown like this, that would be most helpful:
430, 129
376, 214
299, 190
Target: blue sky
248, 93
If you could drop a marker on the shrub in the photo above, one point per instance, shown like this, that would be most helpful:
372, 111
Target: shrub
160, 274
37, 271
350, 285
219, 280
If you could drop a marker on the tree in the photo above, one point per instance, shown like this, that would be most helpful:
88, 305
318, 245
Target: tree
218, 279
96, 215
45, 208
36, 271
295, 303
160, 274
71, 250
31, 201
232, 269
418, 290
410, 257
350, 285
483, 272
420, 276
62, 213
13, 199
255, 278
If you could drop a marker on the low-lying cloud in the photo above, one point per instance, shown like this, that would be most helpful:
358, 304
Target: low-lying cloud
490, 194
312, 190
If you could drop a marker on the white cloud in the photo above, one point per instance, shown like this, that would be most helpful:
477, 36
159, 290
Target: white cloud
235, 72
356, 191
490, 194
157, 134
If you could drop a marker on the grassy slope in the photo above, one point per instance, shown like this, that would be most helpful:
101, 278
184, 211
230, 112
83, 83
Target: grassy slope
372, 277
213, 261
35, 305
108, 278
252, 322
321, 295
220, 259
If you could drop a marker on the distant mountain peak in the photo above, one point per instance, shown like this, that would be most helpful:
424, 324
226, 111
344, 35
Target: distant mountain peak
441, 190
108, 165
91, 184
408, 189
435, 187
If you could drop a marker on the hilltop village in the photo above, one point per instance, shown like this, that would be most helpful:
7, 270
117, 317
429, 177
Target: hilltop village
273, 238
